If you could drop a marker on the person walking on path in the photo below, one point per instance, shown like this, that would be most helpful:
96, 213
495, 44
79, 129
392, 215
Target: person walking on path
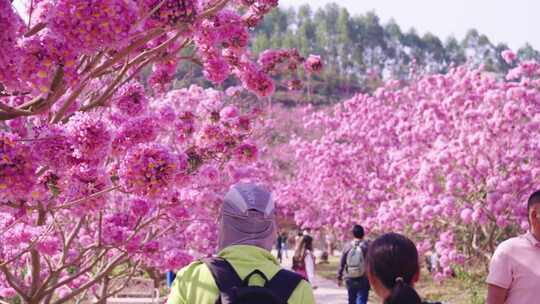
352, 268
514, 271
285, 244
393, 268
298, 239
169, 276
304, 260
244, 270
329, 242
279, 248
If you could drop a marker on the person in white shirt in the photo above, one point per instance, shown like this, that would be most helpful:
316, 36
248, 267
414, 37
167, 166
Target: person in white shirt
304, 260
514, 271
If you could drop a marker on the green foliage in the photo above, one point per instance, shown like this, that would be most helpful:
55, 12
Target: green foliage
474, 283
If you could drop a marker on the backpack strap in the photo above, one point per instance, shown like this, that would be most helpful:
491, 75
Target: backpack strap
284, 283
255, 272
364, 246
225, 276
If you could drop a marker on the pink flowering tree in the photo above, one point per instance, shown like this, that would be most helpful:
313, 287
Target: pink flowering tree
110, 191
448, 159
106, 167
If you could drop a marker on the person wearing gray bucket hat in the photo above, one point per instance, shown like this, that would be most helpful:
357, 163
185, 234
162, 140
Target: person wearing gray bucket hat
244, 270
248, 217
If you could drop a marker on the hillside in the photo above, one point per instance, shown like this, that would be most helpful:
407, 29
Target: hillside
359, 51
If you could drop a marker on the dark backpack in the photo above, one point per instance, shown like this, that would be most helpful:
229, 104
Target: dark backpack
233, 290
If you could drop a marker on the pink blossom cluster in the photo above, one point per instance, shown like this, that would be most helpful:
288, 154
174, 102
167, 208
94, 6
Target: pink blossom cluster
88, 26
90, 137
162, 76
40, 58
447, 255
272, 60
82, 182
150, 170
133, 132
314, 64
509, 56
17, 166
170, 12
255, 79
257, 9
288, 61
53, 146
525, 69
12, 28
221, 40
246, 153
131, 99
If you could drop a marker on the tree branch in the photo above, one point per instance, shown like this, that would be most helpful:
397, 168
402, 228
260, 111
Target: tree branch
128, 279
69, 101
79, 273
35, 29
108, 92
213, 10
12, 281
98, 277
125, 51
35, 256
80, 200
11, 110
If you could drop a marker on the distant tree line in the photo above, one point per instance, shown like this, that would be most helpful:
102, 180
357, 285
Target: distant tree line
359, 51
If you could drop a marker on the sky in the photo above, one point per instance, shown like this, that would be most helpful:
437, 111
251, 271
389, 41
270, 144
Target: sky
512, 22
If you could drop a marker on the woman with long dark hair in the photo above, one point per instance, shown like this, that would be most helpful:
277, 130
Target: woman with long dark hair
393, 269
303, 259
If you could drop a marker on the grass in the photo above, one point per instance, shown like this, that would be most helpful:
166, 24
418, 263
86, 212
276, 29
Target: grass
465, 288
329, 270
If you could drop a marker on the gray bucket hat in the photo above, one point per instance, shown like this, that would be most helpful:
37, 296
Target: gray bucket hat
247, 217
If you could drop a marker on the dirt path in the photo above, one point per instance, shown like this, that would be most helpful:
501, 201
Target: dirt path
327, 292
